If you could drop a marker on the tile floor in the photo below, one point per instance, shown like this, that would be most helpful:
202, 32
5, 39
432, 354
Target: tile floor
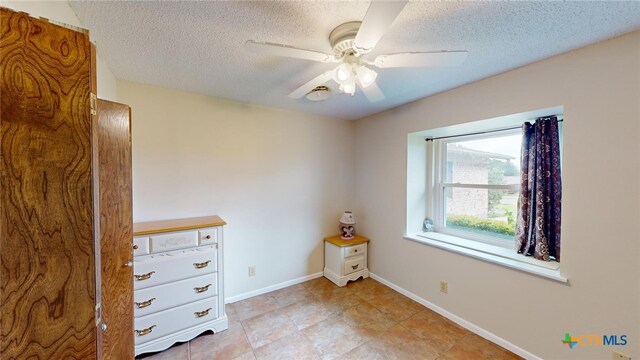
318, 320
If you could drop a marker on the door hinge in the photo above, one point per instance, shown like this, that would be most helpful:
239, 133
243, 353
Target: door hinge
93, 104
98, 314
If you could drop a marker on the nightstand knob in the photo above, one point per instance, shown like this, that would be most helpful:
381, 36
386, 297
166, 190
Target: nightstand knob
135, 247
208, 237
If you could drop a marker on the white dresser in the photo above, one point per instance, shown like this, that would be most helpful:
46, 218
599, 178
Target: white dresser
178, 281
345, 260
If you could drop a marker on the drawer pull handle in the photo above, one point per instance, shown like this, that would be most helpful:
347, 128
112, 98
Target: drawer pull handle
144, 276
202, 313
144, 304
202, 289
355, 266
146, 331
202, 264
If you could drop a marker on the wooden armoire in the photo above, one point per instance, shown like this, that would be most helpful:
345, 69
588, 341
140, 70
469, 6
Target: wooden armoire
65, 199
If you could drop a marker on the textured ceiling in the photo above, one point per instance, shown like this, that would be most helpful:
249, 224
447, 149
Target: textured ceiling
199, 46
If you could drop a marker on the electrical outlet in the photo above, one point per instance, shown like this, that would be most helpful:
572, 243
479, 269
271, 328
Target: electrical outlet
252, 271
619, 356
443, 286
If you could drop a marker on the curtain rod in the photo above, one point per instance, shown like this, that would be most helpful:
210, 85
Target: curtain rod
484, 132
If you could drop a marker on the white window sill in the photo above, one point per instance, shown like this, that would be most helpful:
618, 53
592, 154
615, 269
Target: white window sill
491, 253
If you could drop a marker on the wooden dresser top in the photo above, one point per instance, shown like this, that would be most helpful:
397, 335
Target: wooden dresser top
154, 227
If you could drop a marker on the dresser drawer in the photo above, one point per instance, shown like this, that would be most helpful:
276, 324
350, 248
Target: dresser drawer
355, 250
157, 298
166, 322
154, 270
173, 241
140, 245
208, 236
353, 264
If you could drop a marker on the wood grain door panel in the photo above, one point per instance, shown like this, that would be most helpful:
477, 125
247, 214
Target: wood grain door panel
47, 277
116, 229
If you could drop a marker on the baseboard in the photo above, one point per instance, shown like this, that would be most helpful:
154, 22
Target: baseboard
458, 320
271, 288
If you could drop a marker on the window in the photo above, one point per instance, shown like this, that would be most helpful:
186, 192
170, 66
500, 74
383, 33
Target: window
466, 178
476, 185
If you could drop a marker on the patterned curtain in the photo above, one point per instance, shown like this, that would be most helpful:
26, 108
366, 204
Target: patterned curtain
538, 224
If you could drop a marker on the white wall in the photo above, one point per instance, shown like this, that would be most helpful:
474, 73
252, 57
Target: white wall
599, 87
280, 179
61, 11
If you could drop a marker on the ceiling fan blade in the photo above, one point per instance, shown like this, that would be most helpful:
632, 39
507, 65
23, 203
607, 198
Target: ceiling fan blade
287, 51
379, 17
306, 88
420, 59
373, 93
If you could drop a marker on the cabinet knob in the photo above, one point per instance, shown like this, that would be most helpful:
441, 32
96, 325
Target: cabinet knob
208, 237
135, 247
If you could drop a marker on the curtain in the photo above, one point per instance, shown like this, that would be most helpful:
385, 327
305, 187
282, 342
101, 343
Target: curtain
539, 204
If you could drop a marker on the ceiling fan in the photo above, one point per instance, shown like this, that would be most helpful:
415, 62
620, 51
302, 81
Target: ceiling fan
351, 42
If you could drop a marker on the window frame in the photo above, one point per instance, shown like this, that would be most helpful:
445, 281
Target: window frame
436, 182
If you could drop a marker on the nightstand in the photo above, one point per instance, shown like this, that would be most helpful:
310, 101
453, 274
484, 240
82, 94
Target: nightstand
345, 260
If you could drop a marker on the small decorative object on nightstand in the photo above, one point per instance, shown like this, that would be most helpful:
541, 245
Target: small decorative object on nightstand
347, 226
345, 260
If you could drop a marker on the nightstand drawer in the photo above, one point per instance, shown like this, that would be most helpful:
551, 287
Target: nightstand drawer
354, 264
355, 250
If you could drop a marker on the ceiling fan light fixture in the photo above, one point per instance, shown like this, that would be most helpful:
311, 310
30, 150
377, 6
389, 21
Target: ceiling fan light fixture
343, 73
348, 87
366, 76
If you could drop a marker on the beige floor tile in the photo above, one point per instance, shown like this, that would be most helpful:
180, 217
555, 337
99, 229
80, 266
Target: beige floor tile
294, 346
332, 338
472, 346
370, 290
291, 295
225, 345
246, 356
400, 343
396, 305
266, 328
363, 352
306, 314
440, 332
338, 297
320, 284
176, 352
254, 306
367, 317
